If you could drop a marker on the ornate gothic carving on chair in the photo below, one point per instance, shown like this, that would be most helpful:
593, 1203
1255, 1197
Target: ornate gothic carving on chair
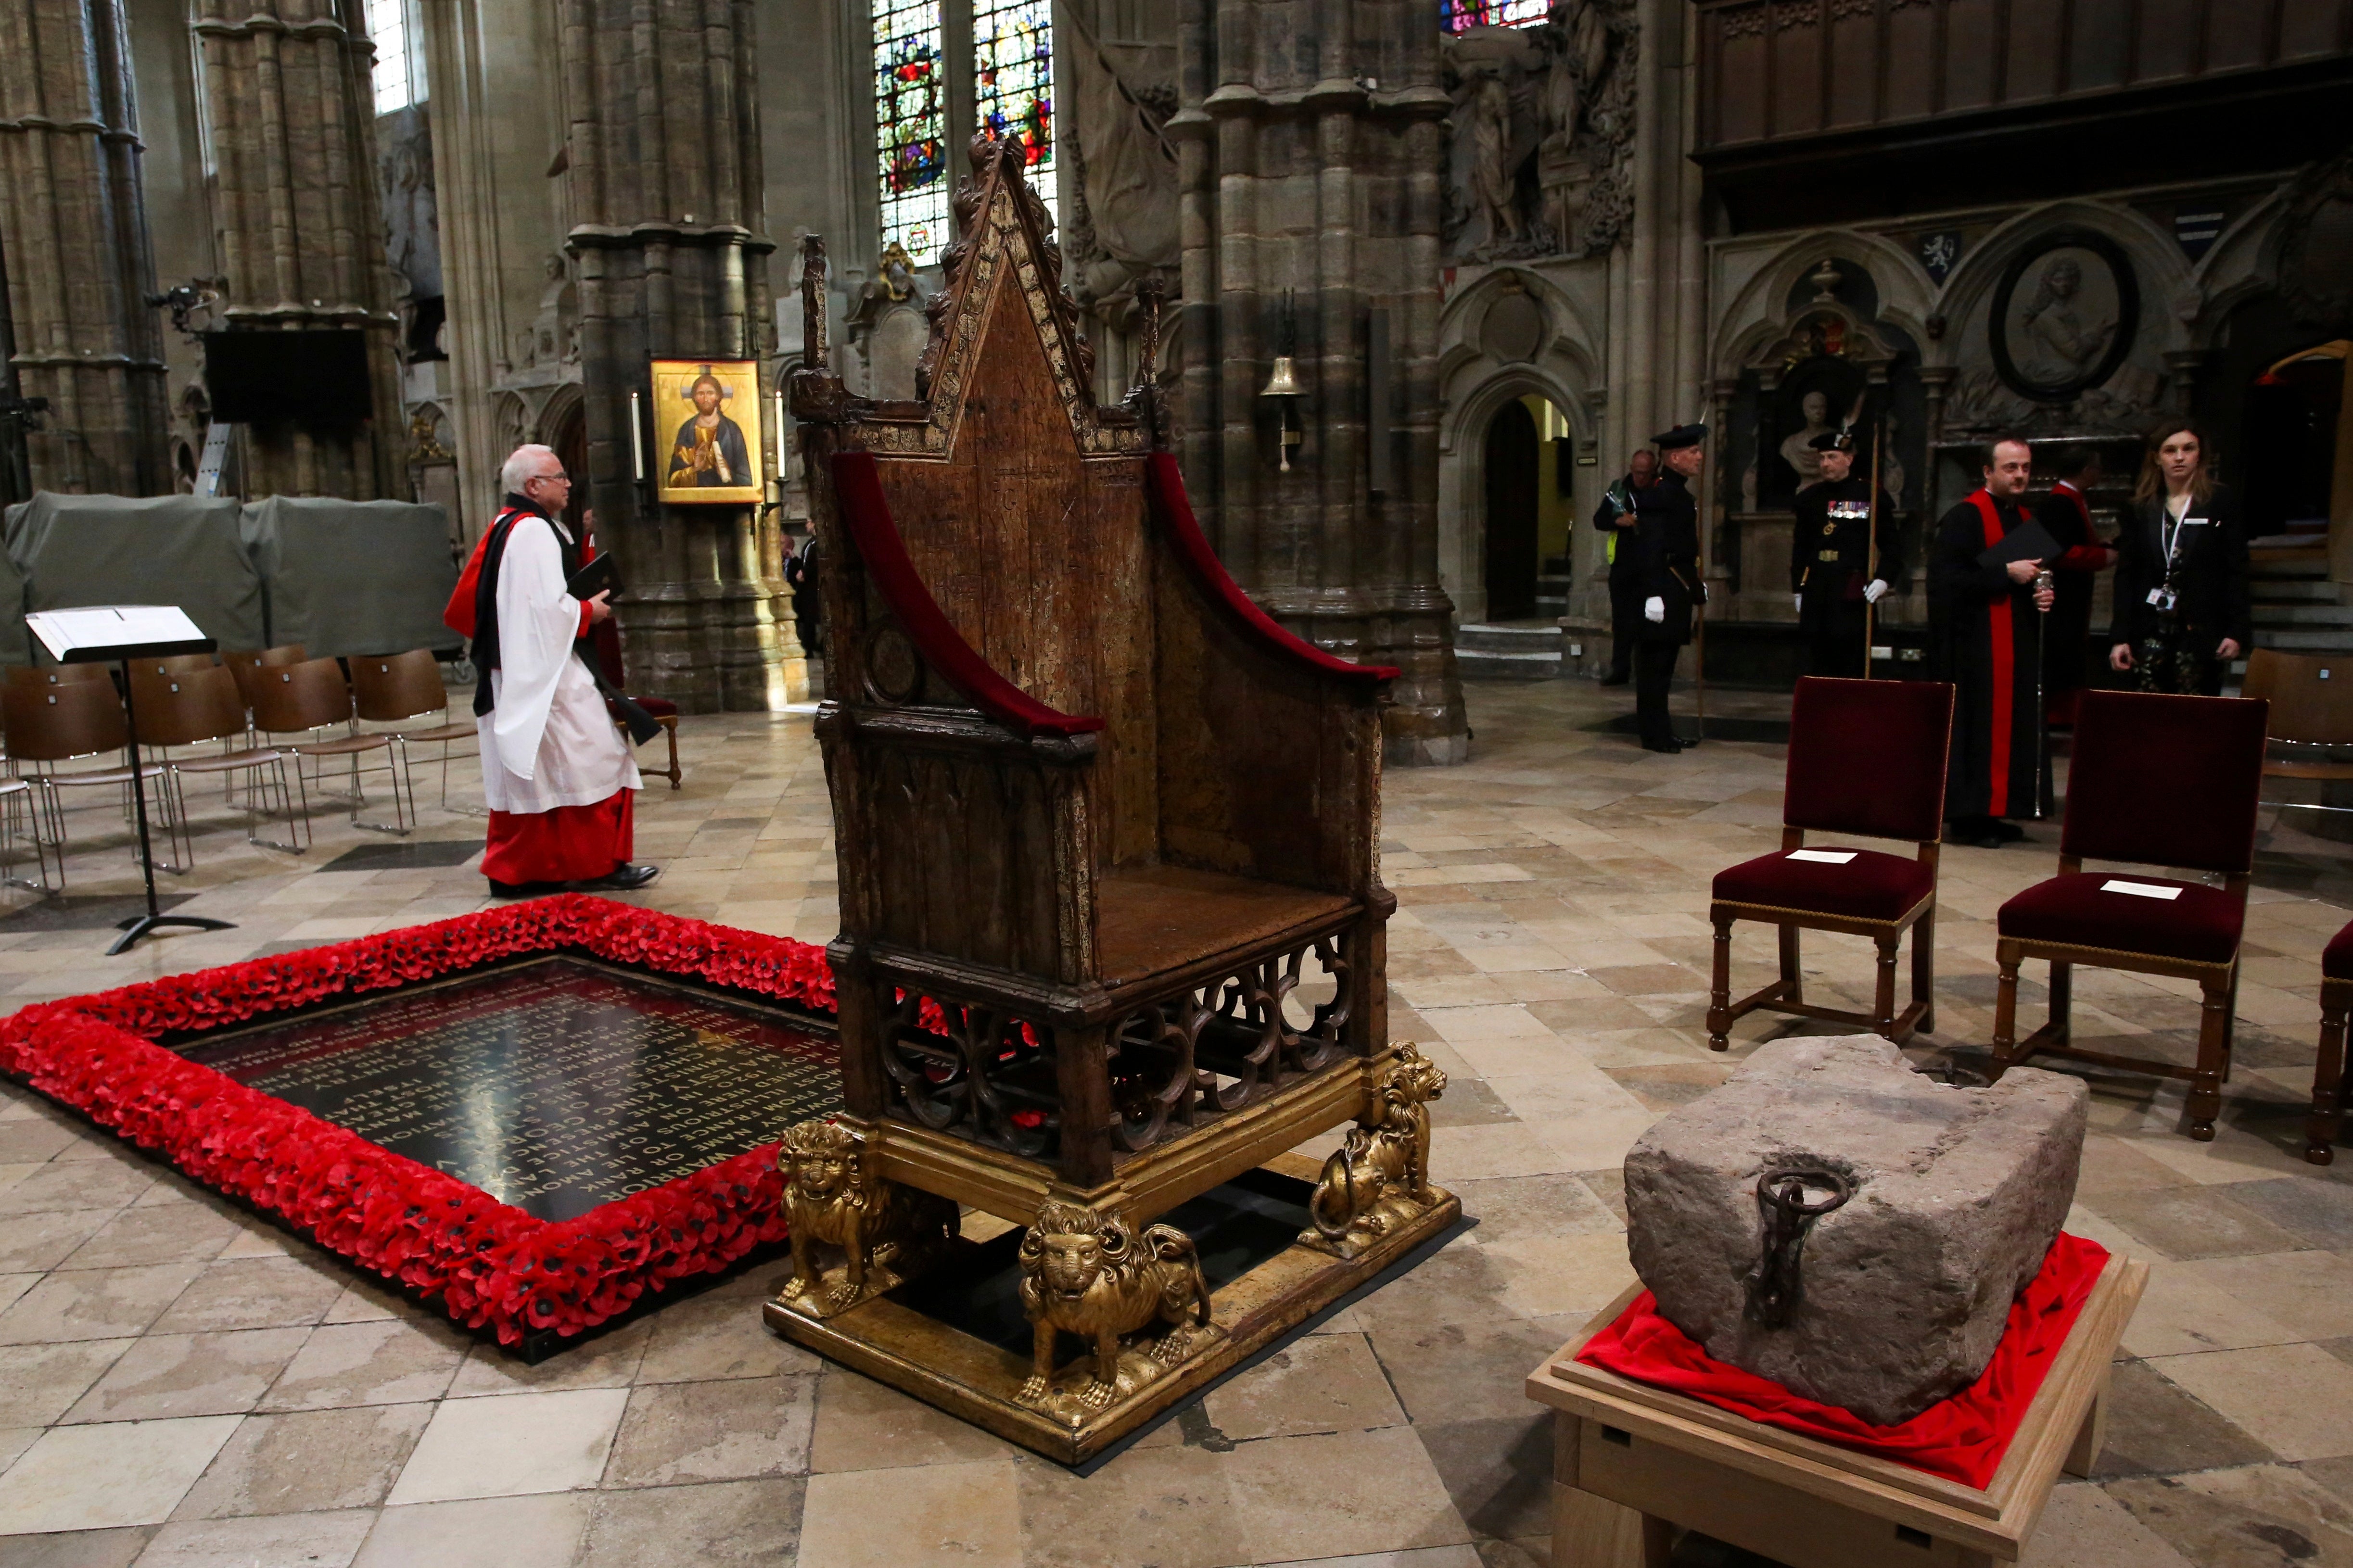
1112, 923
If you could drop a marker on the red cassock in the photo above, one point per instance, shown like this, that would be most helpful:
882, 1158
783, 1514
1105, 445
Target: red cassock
1986, 630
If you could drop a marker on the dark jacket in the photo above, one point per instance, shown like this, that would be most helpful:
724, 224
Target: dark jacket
2209, 578
1845, 539
1606, 518
1664, 547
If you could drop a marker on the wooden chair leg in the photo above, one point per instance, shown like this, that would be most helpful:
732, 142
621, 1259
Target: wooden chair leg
2063, 1002
1923, 970
2005, 1009
2327, 1081
1719, 992
669, 731
2213, 1050
1793, 979
1883, 1002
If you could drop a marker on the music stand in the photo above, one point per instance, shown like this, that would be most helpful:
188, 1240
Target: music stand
119, 634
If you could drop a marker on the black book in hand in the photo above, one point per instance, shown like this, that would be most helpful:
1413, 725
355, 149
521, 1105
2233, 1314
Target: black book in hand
2029, 541
600, 576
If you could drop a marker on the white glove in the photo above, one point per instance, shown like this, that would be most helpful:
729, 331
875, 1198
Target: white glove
1871, 594
1654, 610
1798, 603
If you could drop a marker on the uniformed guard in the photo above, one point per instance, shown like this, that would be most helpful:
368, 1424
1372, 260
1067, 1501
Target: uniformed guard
1663, 550
1831, 574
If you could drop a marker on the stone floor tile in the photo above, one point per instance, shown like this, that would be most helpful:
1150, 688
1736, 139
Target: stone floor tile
94, 1303
723, 1524
2320, 1212
77, 1548
1323, 1383
862, 1425
2083, 1527
2308, 1293
2155, 1427
43, 1240
2259, 1517
2194, 1222
507, 1444
966, 1513
608, 1361
39, 1382
2297, 1400
675, 1433
384, 1361
1330, 1495
719, 1335
254, 1293
543, 1531
96, 1478
309, 1461
1528, 1208
2183, 1312
1418, 1557
1572, 1275
1498, 1471
137, 1236
1170, 1507
307, 1540
189, 1374
76, 1184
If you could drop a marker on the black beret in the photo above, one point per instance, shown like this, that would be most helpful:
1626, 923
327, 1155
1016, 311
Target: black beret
1681, 435
1833, 441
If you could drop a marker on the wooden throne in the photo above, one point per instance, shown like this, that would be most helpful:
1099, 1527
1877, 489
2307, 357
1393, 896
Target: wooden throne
1112, 923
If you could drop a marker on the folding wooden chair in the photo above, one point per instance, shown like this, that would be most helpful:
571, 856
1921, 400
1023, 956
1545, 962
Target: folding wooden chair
1867, 759
2156, 781
389, 689
2311, 696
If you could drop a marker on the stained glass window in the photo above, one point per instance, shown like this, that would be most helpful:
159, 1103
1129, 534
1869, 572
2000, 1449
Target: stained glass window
910, 122
387, 25
1013, 81
1462, 15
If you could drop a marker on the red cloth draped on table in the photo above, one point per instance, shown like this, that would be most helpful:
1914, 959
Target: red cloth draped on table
1962, 1439
568, 844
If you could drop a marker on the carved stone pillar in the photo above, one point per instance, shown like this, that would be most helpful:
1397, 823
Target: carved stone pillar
73, 243
1311, 174
670, 231
289, 110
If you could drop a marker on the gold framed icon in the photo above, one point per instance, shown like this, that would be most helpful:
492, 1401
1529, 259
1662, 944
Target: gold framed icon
706, 432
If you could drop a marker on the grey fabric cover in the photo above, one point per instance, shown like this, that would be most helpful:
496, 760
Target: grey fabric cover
160, 549
346, 576
15, 642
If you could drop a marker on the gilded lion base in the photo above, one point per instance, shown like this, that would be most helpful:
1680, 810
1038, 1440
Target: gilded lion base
989, 1383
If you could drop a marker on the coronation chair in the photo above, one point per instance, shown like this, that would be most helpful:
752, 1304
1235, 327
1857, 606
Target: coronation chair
2156, 781
1867, 758
1113, 923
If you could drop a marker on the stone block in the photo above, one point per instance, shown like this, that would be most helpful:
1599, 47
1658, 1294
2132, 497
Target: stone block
1956, 1195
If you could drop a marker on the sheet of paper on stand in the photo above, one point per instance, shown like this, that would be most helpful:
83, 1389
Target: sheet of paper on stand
114, 631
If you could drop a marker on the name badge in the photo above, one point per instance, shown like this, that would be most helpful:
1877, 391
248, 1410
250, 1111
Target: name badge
1827, 555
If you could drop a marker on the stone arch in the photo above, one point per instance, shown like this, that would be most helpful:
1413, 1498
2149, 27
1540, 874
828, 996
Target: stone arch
563, 405
512, 424
1758, 314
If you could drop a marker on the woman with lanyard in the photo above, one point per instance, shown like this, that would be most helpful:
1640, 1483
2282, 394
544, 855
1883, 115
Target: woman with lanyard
2182, 612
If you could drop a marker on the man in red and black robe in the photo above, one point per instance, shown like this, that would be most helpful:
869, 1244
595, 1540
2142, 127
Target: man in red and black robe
1985, 622
2066, 517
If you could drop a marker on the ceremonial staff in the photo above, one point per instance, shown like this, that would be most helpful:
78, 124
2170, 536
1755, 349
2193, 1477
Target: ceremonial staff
1871, 527
1699, 611
2043, 582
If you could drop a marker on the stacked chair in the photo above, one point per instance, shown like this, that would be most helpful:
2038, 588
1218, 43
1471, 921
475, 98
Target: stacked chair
54, 716
392, 689
312, 695
199, 707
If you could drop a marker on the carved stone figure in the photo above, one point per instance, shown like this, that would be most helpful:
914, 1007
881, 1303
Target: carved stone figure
1380, 1177
1088, 1274
1494, 178
1125, 224
1582, 52
2065, 340
1798, 451
888, 1233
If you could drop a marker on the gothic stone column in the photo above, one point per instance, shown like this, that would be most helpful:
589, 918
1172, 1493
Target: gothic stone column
1312, 148
299, 224
73, 243
666, 187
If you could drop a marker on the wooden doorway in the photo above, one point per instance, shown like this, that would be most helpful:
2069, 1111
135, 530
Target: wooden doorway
1512, 463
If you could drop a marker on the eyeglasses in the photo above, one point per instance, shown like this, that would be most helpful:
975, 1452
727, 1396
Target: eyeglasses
550, 479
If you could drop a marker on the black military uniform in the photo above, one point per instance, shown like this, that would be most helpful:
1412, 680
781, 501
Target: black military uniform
1664, 544
1831, 566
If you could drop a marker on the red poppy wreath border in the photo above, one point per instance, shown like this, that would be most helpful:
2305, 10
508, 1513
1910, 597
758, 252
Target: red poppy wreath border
492, 1265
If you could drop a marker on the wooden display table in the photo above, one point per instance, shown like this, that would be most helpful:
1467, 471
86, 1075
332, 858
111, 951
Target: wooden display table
1633, 1463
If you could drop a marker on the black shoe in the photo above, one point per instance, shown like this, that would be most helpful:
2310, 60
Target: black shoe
1613, 679
622, 878
522, 889
2008, 832
1670, 746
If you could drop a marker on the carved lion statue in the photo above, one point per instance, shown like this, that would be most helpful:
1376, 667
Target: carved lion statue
1382, 1172
880, 1226
1088, 1274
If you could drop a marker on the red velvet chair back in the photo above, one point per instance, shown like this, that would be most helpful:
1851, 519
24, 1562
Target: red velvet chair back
1868, 757
2166, 781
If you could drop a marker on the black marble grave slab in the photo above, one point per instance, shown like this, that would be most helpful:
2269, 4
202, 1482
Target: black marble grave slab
555, 1085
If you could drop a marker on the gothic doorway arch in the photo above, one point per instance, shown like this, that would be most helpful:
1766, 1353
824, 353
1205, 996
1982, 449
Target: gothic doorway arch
1514, 461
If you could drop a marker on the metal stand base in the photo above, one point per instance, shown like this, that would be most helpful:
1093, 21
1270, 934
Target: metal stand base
142, 925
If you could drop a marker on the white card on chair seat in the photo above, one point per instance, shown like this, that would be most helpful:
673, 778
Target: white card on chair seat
1827, 857
2139, 890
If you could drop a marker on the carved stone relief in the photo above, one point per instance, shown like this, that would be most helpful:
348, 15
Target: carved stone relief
1543, 134
1123, 212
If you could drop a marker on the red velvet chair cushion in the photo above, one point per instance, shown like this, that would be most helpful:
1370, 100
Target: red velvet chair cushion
659, 707
2201, 925
1871, 887
2336, 958
2158, 780
1868, 757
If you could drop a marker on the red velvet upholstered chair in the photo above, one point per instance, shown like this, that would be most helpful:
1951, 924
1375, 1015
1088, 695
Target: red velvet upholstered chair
2157, 781
1867, 758
2328, 1068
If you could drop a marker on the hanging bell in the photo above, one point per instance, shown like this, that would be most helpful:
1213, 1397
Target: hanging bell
1284, 382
